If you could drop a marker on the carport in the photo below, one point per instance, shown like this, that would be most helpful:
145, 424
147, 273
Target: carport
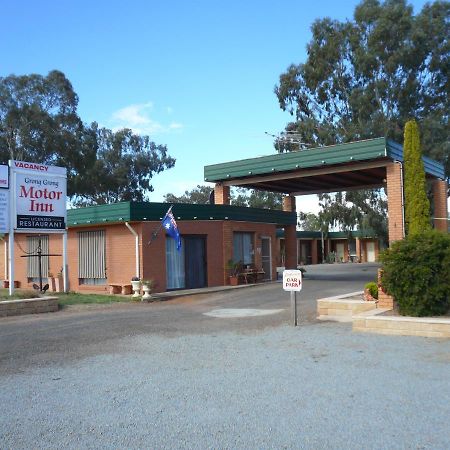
367, 164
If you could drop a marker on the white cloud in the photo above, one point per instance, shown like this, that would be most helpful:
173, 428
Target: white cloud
137, 117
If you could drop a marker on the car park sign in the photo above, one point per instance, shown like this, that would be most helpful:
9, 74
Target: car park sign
292, 280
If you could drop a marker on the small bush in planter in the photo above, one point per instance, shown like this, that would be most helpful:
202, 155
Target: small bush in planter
373, 289
416, 272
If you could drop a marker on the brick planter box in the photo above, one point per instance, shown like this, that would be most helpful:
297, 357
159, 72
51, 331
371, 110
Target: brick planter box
28, 306
342, 308
402, 326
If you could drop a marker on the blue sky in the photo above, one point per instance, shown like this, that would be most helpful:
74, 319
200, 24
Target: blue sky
195, 75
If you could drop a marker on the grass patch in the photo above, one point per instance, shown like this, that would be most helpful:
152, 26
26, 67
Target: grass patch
18, 294
71, 298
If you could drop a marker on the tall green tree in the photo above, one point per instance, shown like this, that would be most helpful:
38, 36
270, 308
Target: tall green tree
238, 197
365, 77
39, 122
417, 205
200, 195
254, 198
123, 166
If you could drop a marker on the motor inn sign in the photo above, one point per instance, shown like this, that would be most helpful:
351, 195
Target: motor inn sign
40, 196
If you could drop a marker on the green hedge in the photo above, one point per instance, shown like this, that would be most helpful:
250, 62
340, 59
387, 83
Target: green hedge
416, 271
373, 289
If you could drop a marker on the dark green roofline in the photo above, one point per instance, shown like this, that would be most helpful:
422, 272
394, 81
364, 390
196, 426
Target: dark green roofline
331, 234
371, 149
146, 211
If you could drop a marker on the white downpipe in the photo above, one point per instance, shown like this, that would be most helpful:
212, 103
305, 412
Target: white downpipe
136, 237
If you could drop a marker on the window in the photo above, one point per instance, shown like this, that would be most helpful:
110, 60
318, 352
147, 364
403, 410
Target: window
243, 248
33, 243
92, 257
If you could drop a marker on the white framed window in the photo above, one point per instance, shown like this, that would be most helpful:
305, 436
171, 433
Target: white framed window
92, 257
243, 249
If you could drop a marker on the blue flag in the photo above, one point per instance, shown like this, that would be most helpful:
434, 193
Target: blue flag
171, 228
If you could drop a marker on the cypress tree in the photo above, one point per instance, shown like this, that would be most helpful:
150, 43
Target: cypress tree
417, 205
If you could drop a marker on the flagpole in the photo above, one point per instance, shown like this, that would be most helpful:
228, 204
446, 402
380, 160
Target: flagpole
155, 233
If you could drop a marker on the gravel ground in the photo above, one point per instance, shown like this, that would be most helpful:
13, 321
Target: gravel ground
318, 386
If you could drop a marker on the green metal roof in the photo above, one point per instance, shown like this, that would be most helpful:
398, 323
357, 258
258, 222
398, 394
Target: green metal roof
322, 169
146, 211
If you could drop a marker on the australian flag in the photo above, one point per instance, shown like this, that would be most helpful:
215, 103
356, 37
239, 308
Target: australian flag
171, 228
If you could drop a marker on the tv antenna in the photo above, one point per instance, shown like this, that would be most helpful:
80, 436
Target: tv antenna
289, 137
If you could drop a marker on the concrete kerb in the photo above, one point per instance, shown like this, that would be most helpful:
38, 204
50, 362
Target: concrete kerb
163, 296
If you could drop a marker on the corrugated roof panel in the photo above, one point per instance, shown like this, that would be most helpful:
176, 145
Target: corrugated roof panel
309, 158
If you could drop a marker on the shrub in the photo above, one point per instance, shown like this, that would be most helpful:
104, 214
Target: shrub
416, 272
372, 288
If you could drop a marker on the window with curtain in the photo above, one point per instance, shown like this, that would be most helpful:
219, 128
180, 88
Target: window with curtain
175, 264
33, 262
92, 257
243, 248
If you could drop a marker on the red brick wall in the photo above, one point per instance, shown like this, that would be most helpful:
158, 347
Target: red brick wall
259, 230
395, 201
120, 252
440, 204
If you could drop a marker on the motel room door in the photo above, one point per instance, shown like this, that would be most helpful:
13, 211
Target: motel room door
370, 247
340, 251
195, 261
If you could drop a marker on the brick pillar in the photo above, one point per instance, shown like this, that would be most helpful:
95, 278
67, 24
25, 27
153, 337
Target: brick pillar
395, 201
290, 242
289, 203
440, 204
358, 249
290, 235
384, 300
314, 254
221, 194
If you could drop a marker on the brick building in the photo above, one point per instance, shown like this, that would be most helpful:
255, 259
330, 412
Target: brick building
337, 246
102, 248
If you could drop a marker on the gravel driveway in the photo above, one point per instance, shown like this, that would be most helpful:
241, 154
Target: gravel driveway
318, 386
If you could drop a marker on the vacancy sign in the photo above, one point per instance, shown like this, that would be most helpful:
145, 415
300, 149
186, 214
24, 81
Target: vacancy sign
39, 196
292, 280
4, 199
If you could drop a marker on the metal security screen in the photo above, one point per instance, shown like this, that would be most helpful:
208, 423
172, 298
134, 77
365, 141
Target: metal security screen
91, 254
33, 262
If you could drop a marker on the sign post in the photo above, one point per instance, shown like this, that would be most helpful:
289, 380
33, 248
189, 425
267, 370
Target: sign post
292, 282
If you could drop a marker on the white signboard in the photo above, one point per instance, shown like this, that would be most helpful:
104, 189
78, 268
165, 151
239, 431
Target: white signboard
39, 195
4, 177
4, 199
292, 280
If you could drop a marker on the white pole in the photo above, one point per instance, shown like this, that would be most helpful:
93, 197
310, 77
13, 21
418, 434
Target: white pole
12, 212
6, 259
65, 280
136, 246
11, 261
